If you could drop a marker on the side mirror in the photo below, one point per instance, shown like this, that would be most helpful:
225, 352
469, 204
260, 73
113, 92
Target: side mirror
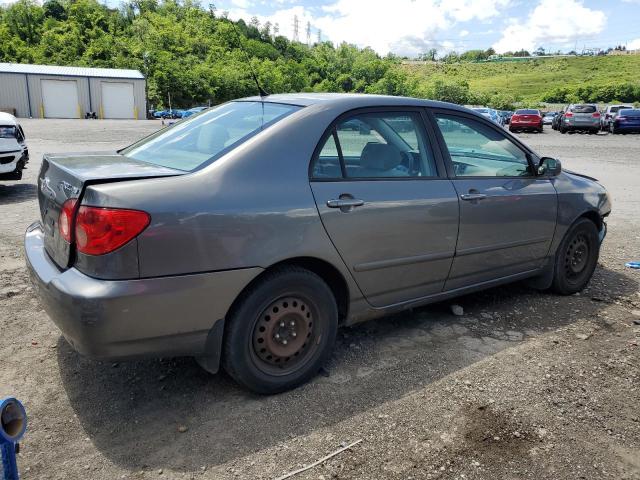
549, 166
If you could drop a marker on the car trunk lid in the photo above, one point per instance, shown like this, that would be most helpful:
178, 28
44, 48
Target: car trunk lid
64, 177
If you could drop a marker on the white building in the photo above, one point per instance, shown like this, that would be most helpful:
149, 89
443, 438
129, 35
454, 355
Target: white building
49, 91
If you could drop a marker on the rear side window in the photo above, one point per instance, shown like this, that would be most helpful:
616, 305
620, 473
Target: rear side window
583, 109
376, 145
477, 150
203, 138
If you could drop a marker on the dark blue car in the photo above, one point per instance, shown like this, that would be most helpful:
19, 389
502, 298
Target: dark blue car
626, 121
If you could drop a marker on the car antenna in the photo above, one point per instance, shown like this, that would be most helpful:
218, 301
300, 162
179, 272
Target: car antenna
261, 91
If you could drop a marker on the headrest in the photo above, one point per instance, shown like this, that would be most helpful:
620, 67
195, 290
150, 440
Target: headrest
380, 156
212, 138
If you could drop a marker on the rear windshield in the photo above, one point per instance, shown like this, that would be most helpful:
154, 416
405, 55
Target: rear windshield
584, 109
630, 113
615, 109
203, 138
7, 132
527, 112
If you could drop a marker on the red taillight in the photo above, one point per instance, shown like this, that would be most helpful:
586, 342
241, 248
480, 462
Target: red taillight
596, 115
568, 114
103, 230
65, 220
515, 117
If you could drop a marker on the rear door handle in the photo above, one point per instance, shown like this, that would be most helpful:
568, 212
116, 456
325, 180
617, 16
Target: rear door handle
468, 197
345, 203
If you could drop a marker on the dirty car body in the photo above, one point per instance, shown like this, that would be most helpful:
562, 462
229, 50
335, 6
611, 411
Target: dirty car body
378, 204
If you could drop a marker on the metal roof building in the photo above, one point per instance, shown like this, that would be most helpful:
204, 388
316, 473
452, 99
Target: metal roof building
51, 91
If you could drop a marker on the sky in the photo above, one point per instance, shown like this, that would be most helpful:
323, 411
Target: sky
411, 27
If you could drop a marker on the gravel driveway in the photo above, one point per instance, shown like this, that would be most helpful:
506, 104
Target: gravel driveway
522, 385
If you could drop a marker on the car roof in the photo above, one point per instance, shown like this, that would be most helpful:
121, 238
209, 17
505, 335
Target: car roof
8, 119
349, 100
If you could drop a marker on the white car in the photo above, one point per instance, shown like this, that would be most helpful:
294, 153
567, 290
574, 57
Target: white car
14, 154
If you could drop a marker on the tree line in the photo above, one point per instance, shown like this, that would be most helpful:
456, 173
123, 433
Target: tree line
194, 54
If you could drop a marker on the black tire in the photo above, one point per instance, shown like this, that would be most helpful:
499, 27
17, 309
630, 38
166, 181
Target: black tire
563, 130
576, 258
280, 331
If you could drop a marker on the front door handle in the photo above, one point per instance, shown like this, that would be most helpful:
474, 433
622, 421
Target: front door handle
345, 203
469, 197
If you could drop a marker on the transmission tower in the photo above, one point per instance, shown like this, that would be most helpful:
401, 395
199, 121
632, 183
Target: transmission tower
319, 36
296, 29
308, 33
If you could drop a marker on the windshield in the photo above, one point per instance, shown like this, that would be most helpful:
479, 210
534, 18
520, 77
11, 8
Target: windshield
7, 132
204, 137
615, 109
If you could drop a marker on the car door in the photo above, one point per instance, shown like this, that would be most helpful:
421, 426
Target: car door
507, 213
386, 204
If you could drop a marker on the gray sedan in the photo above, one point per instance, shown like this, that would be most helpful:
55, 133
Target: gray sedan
247, 234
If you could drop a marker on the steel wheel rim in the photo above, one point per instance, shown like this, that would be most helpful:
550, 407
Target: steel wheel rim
284, 335
577, 257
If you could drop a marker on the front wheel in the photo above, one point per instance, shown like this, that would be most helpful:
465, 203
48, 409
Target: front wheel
576, 258
281, 331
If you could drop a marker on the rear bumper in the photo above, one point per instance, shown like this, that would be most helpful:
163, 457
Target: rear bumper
166, 316
525, 125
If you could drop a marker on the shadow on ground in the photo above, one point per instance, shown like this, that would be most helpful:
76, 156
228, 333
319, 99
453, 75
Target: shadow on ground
131, 411
17, 193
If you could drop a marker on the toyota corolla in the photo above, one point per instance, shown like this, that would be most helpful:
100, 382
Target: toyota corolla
247, 234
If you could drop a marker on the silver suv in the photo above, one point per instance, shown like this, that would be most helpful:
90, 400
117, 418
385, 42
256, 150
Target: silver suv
583, 117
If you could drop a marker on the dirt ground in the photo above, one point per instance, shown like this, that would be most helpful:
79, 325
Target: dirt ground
524, 385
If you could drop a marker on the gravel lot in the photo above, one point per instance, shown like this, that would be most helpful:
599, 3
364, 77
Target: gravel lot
523, 385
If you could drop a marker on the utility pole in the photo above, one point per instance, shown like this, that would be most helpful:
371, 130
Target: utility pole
296, 29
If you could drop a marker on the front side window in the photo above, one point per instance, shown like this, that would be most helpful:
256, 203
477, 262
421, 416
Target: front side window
478, 150
202, 138
376, 145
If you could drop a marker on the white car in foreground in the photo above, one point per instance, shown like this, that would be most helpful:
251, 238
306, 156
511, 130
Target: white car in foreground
14, 154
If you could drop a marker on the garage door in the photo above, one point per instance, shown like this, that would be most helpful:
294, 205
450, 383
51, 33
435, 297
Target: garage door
60, 98
117, 100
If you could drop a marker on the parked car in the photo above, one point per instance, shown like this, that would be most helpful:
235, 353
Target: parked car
547, 118
506, 116
248, 234
607, 116
193, 111
526, 119
557, 120
625, 121
489, 113
581, 117
171, 113
14, 154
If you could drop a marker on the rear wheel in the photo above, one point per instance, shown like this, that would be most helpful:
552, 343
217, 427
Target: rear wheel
576, 258
281, 331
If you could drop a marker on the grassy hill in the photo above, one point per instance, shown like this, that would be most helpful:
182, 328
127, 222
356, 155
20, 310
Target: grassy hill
531, 80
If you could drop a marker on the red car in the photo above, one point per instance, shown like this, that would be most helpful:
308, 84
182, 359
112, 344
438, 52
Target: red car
526, 119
